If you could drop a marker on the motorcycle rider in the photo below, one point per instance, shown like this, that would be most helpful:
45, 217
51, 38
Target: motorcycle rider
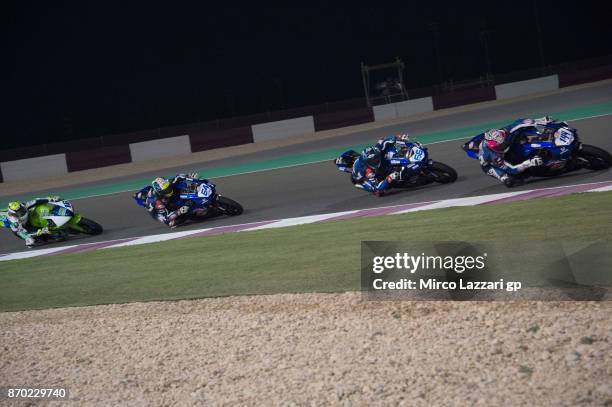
391, 145
162, 201
397, 150
368, 169
18, 216
492, 153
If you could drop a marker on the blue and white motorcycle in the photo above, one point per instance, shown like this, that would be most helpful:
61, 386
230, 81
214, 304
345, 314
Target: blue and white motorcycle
556, 143
412, 159
201, 197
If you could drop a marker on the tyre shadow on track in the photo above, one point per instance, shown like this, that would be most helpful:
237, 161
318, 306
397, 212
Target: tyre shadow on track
540, 183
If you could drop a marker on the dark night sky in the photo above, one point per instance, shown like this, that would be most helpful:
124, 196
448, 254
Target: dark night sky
87, 69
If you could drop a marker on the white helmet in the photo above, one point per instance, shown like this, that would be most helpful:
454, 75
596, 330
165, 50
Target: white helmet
403, 137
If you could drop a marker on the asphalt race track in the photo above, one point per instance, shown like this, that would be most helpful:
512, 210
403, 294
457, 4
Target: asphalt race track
321, 188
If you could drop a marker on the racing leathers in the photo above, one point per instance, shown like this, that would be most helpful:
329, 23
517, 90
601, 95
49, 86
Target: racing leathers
494, 162
367, 178
396, 152
24, 229
167, 209
374, 176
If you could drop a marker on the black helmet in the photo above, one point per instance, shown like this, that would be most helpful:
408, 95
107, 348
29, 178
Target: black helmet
373, 157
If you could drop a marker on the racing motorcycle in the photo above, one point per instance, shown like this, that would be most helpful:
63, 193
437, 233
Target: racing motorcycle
61, 220
556, 143
201, 197
414, 157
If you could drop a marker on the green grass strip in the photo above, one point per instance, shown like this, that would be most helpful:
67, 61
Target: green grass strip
320, 257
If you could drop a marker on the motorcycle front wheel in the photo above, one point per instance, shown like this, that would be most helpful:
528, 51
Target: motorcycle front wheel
229, 206
594, 158
90, 227
445, 174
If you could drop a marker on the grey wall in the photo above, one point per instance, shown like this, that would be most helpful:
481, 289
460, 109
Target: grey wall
514, 89
165, 147
37, 167
283, 129
403, 109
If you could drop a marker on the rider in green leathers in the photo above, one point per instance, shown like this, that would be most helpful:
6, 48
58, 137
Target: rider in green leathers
17, 219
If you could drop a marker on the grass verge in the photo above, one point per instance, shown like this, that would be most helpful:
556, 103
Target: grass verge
320, 257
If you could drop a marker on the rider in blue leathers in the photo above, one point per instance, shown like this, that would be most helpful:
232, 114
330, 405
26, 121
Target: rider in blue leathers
367, 171
493, 150
162, 199
377, 162
397, 150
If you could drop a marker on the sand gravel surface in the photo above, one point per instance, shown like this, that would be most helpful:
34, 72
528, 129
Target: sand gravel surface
314, 349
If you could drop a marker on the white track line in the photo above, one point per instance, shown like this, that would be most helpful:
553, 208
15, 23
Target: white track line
300, 221
468, 201
33, 253
156, 238
602, 189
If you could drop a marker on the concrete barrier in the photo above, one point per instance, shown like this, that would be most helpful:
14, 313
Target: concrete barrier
163, 147
414, 106
403, 109
514, 89
100, 157
463, 97
570, 78
283, 129
343, 118
38, 167
208, 140
384, 112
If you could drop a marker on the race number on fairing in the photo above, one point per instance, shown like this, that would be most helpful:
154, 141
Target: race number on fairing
204, 190
563, 137
417, 154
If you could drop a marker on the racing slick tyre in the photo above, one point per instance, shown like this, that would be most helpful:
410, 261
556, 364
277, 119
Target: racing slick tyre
229, 206
444, 173
90, 227
596, 158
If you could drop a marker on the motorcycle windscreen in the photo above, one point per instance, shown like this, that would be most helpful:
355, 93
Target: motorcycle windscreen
471, 147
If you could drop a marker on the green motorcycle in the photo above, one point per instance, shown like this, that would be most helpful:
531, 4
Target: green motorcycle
60, 219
